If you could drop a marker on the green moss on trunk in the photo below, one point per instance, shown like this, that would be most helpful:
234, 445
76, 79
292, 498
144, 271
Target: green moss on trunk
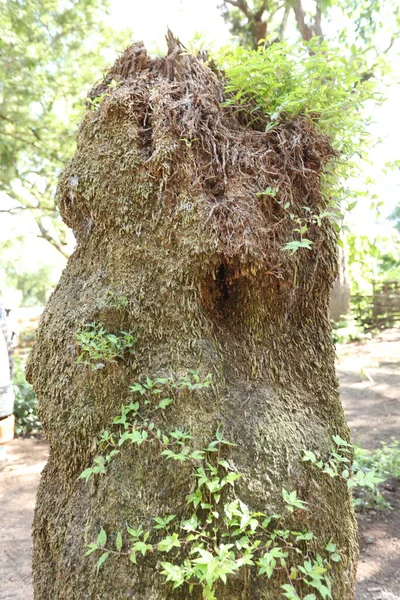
177, 229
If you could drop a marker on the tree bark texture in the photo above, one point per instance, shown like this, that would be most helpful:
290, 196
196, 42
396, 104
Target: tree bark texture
162, 197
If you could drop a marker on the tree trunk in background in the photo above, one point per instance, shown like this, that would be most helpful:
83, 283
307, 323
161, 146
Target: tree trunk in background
161, 195
340, 298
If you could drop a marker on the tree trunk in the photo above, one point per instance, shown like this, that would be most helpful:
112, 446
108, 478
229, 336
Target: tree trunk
162, 198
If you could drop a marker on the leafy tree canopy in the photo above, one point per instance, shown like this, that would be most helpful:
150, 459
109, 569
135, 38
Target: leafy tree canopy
372, 24
395, 218
372, 259
50, 53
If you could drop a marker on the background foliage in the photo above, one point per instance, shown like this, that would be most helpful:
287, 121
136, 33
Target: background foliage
25, 406
51, 52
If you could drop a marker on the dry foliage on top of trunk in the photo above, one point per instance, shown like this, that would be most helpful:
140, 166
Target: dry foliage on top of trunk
187, 138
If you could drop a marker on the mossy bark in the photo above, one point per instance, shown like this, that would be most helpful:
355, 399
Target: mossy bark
198, 256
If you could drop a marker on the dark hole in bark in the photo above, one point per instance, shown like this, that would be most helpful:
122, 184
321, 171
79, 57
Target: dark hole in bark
215, 186
145, 132
220, 293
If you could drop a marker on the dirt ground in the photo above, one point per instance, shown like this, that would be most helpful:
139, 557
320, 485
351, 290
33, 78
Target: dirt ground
20, 470
369, 375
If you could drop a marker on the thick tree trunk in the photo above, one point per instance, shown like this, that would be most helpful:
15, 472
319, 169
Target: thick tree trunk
161, 195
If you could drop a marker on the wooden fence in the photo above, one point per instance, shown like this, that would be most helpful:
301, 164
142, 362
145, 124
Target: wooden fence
380, 310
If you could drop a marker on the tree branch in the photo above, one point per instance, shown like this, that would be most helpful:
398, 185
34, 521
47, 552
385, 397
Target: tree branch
241, 5
392, 40
46, 236
284, 22
317, 21
305, 30
258, 15
25, 205
255, 22
12, 211
6, 118
19, 139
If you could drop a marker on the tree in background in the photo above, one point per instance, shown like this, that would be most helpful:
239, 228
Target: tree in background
395, 218
372, 259
30, 286
346, 21
41, 96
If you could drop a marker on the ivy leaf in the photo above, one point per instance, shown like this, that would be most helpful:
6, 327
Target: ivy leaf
197, 454
173, 573
101, 538
102, 560
290, 592
168, 543
92, 548
340, 442
165, 402
86, 474
137, 387
330, 547
232, 477
335, 557
142, 547
294, 245
118, 541
309, 456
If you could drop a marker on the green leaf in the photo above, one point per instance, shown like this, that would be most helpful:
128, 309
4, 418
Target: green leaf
309, 456
307, 536
102, 560
86, 474
166, 544
173, 573
137, 387
163, 522
232, 477
292, 501
290, 592
101, 538
269, 191
352, 205
294, 245
190, 524
118, 542
330, 547
141, 547
197, 454
92, 548
165, 402
135, 533
340, 442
